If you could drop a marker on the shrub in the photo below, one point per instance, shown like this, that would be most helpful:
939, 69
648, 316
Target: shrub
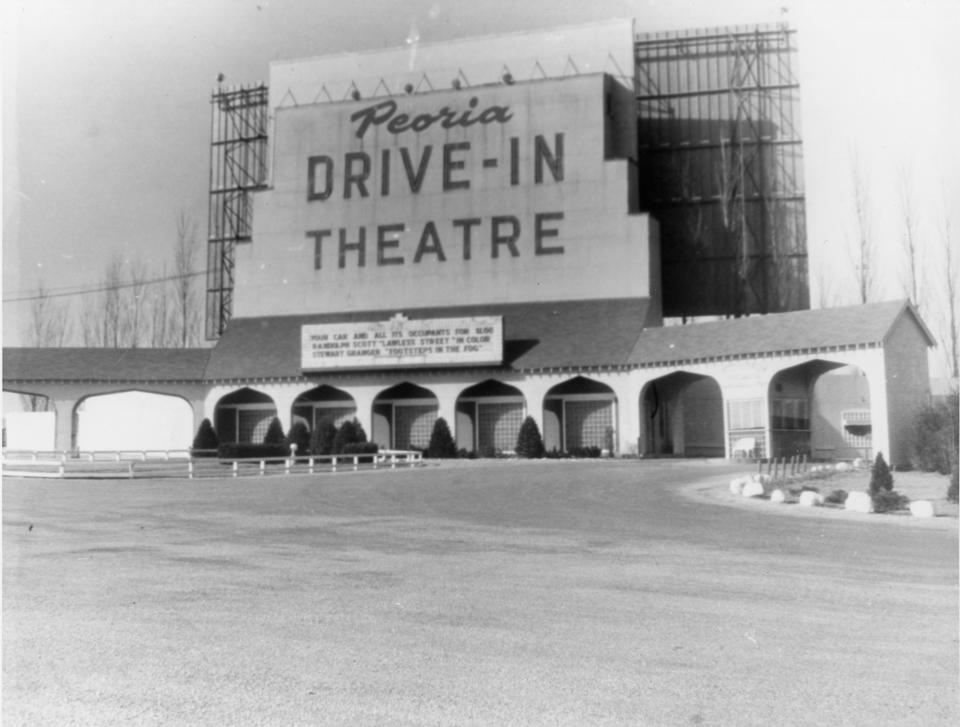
881, 480
889, 501
321, 440
488, 451
361, 448
529, 441
247, 450
205, 442
363, 451
837, 497
350, 432
300, 436
586, 452
275, 433
441, 444
934, 438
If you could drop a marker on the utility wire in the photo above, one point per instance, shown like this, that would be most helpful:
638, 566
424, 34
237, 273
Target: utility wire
104, 289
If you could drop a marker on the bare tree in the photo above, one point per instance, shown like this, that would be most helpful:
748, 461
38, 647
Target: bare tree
911, 241
49, 320
863, 260
49, 326
161, 325
187, 309
114, 318
134, 297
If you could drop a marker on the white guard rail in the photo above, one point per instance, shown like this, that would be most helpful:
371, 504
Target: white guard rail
185, 464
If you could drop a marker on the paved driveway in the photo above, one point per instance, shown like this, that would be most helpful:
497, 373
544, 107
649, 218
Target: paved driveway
553, 593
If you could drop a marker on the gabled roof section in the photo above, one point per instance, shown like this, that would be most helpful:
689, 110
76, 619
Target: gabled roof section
104, 364
825, 328
536, 335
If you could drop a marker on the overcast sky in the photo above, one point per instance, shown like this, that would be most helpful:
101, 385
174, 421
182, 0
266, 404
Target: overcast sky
106, 113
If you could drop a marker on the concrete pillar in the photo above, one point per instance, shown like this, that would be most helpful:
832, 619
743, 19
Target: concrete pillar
64, 407
447, 394
879, 411
534, 389
283, 397
363, 395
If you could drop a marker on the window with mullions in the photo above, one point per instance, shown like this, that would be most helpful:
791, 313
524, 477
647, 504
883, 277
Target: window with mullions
414, 425
587, 423
498, 425
745, 414
790, 414
857, 427
746, 425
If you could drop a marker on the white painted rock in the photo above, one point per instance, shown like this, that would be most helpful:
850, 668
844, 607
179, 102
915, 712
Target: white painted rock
809, 498
857, 463
842, 467
859, 502
778, 496
736, 485
752, 489
922, 508
763, 479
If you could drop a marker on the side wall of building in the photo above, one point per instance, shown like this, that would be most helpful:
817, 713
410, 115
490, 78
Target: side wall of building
908, 384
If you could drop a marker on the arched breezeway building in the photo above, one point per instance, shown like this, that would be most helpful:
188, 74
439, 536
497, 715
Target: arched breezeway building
834, 383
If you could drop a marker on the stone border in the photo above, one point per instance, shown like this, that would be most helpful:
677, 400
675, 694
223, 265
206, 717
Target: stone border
717, 492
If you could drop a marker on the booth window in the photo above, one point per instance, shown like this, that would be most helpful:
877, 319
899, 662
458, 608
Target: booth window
856, 427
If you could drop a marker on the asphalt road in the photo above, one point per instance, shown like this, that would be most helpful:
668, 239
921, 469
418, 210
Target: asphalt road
505, 594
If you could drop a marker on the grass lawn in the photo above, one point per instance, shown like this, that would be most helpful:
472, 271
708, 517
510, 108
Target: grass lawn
553, 593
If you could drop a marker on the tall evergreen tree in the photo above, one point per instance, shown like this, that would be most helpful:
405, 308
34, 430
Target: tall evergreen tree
529, 441
441, 444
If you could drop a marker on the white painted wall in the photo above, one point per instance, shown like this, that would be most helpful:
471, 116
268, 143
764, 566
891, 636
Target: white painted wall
34, 430
134, 420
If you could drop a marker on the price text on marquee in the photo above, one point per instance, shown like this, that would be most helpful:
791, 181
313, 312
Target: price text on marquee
446, 341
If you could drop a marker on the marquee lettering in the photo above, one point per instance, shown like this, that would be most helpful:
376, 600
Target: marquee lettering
362, 174
385, 114
504, 233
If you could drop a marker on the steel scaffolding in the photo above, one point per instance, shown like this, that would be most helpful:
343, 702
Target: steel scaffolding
721, 165
721, 169
238, 166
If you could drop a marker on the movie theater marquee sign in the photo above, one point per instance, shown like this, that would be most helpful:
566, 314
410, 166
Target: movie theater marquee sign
400, 342
399, 154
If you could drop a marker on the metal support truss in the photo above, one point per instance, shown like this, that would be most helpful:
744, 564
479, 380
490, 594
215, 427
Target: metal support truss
720, 155
238, 148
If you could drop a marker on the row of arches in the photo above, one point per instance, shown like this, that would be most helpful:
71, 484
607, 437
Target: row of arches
488, 415
820, 408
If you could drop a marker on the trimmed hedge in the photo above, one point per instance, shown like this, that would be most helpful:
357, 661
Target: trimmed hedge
247, 450
356, 449
350, 432
275, 433
441, 445
529, 442
361, 448
322, 438
299, 435
205, 443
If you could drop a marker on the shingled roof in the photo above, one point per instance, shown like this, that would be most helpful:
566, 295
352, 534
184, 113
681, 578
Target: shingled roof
566, 334
825, 328
535, 335
104, 364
